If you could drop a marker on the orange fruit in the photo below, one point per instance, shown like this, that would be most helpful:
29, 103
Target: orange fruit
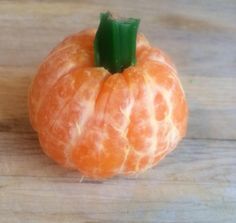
105, 124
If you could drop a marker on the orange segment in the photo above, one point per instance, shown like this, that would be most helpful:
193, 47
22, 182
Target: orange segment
53, 147
78, 52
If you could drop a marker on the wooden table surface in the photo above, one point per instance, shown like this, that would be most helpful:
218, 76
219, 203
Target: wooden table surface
195, 183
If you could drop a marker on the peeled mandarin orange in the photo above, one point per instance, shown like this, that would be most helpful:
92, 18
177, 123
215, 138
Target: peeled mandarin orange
102, 123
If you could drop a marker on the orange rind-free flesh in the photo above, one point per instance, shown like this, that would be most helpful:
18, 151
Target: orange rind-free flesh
105, 124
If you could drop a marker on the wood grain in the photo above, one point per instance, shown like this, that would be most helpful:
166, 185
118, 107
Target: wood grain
196, 183
197, 180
